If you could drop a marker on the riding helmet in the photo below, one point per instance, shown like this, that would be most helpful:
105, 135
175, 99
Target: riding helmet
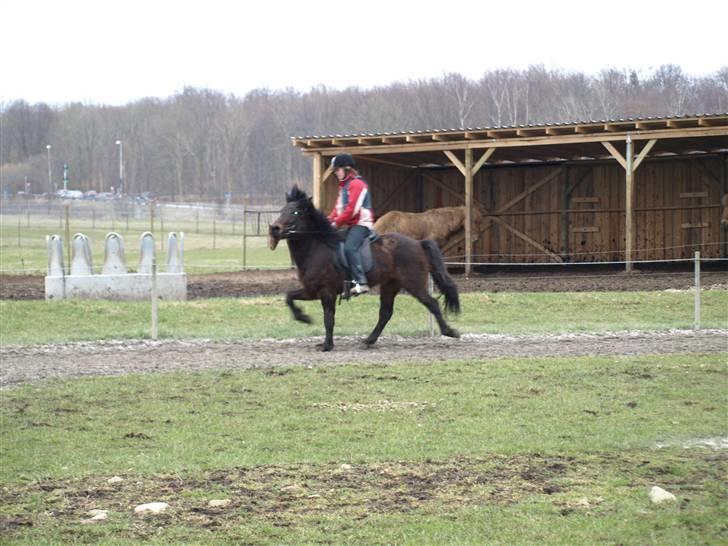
343, 160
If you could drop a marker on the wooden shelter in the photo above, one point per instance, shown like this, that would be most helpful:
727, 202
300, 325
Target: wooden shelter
613, 190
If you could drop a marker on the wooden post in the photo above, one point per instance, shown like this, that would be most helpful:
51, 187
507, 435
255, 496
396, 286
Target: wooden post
565, 215
630, 165
468, 210
245, 231
723, 233
696, 320
151, 217
629, 205
318, 193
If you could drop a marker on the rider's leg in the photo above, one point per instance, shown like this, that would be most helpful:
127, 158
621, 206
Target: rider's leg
354, 238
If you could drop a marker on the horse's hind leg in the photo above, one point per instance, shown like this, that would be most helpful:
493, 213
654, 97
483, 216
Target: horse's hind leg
386, 307
428, 301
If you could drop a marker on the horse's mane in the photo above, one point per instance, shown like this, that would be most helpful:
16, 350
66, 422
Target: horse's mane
321, 227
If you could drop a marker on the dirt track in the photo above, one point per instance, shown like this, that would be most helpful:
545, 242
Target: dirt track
28, 364
255, 283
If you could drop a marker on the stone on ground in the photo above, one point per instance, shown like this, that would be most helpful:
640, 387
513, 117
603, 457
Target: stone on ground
115, 479
218, 503
152, 507
658, 495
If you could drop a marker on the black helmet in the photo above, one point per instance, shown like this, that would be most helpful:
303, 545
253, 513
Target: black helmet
343, 160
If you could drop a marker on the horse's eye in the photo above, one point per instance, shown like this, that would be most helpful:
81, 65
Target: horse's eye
295, 213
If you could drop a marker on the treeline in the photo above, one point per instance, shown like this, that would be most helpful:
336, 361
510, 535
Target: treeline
203, 144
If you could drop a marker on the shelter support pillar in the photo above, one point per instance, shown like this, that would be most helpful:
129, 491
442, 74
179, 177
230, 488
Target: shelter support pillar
630, 165
723, 191
319, 178
317, 181
469, 170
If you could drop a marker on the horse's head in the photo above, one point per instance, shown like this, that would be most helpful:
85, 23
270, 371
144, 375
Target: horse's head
295, 218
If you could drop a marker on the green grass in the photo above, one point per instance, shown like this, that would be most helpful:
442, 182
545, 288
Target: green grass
202, 253
500, 451
261, 317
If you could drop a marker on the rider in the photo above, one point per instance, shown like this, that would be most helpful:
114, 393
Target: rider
354, 210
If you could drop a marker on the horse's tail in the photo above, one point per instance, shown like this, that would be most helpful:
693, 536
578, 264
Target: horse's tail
443, 281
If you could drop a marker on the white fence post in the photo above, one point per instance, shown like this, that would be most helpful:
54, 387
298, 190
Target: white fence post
696, 320
154, 298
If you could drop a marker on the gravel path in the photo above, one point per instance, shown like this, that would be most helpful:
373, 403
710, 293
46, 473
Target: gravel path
30, 364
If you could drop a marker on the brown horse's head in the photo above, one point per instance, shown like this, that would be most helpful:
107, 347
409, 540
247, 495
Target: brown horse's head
295, 218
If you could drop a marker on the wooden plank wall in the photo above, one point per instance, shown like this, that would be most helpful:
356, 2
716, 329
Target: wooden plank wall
668, 226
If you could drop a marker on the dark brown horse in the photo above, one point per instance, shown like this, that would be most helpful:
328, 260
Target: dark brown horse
400, 263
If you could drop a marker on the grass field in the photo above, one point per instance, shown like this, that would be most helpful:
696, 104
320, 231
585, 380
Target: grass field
28, 322
204, 252
509, 451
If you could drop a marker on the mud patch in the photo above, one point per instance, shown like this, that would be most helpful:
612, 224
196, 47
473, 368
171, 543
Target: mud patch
286, 495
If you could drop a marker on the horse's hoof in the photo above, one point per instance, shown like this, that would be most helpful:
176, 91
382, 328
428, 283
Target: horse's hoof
303, 318
325, 347
367, 343
451, 333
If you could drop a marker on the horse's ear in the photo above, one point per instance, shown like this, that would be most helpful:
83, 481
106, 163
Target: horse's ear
292, 195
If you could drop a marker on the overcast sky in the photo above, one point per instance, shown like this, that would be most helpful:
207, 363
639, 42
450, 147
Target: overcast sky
101, 51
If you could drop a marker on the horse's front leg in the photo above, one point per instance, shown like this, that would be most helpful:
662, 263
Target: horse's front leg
298, 294
328, 302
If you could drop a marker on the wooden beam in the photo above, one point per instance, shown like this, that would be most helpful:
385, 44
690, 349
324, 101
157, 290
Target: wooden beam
555, 131
441, 137
468, 211
482, 160
531, 131
369, 159
416, 138
615, 154
455, 161
643, 153
711, 122
394, 140
526, 238
369, 141
499, 139
545, 180
328, 172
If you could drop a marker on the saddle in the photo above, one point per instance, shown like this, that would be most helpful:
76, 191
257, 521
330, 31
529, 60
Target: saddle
367, 261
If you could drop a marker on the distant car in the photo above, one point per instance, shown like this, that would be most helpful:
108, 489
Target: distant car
90, 195
105, 196
70, 194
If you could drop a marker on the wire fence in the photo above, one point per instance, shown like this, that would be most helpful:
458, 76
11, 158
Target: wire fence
217, 237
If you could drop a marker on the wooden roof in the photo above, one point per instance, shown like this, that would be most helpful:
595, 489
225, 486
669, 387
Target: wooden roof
678, 135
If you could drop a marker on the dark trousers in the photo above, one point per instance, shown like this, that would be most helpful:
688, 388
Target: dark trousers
354, 238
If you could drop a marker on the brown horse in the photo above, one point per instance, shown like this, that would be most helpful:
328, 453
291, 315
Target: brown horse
436, 224
399, 263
